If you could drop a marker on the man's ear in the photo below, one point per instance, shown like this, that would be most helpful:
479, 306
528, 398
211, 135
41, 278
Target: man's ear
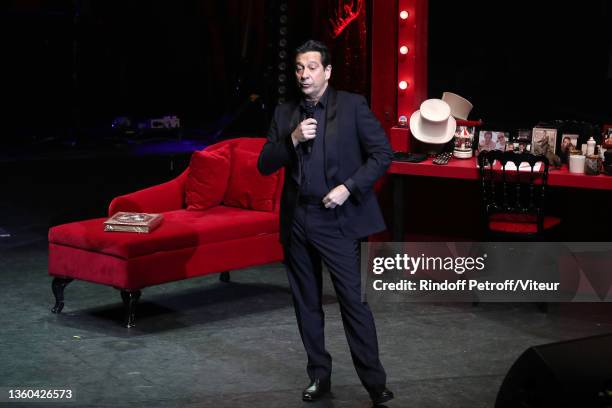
328, 70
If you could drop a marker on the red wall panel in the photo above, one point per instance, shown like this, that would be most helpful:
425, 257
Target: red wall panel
384, 62
389, 67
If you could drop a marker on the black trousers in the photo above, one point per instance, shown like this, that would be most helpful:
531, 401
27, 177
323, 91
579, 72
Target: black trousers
316, 238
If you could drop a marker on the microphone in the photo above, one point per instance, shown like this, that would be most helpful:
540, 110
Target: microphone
308, 113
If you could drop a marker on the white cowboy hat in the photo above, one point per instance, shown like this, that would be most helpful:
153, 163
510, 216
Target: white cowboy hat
460, 107
433, 123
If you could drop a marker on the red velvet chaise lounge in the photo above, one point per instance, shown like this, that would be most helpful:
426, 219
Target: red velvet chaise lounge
219, 214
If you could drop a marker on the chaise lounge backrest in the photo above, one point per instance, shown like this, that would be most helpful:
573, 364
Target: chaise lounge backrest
170, 196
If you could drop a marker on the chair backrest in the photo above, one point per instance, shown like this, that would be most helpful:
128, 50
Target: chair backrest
513, 183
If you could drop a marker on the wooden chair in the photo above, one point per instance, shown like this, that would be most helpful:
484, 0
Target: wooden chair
513, 189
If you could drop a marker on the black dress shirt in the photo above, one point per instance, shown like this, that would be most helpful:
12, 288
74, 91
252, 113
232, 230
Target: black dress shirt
313, 182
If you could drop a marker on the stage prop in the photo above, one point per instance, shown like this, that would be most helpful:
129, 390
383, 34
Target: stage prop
219, 214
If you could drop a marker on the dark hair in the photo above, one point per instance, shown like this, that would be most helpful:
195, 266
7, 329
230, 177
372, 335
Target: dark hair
313, 45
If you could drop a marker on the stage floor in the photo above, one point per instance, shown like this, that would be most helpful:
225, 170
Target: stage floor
203, 343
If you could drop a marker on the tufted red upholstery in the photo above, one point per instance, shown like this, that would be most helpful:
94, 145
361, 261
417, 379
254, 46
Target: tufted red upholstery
186, 244
207, 179
246, 187
180, 229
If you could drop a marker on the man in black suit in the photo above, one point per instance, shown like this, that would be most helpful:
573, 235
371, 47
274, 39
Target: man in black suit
333, 150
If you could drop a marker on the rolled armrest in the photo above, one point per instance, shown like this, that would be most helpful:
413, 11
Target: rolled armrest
163, 197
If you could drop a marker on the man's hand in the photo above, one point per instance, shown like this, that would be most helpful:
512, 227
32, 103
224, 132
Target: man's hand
305, 131
337, 196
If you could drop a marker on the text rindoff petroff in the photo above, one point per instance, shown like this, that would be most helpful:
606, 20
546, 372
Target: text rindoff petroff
509, 285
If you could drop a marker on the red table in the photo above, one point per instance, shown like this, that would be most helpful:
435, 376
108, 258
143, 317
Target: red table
465, 169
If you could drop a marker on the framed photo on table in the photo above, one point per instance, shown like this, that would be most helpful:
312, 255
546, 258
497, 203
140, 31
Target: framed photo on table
521, 142
606, 143
524, 135
492, 140
569, 141
544, 141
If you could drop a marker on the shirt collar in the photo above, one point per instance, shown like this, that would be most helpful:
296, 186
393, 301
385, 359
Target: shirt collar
322, 100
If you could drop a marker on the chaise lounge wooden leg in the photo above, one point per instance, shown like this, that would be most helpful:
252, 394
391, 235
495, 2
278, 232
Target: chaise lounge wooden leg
130, 298
58, 285
224, 277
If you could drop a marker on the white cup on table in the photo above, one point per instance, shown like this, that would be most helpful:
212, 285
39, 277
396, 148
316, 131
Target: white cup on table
576, 163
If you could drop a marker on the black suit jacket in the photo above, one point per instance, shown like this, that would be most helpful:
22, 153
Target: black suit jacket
357, 153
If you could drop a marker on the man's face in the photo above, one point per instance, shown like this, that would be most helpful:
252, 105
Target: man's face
311, 76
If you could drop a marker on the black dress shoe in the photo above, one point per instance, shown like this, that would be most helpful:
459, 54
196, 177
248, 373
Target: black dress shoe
316, 389
380, 397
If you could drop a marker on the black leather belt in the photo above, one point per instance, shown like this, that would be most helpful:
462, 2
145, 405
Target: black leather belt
310, 200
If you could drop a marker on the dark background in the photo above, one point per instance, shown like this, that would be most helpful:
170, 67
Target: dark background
522, 62
70, 67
